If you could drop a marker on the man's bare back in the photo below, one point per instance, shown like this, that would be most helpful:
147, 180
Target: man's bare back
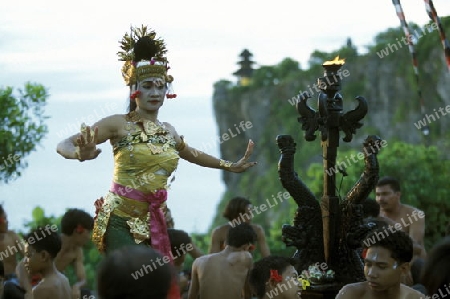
361, 290
10, 246
221, 275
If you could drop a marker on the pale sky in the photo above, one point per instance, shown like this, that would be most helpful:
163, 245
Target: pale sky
70, 47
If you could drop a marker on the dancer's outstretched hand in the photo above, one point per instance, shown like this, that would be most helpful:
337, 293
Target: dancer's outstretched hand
243, 164
87, 143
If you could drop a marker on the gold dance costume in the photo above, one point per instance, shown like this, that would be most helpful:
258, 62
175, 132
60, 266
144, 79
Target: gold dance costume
133, 210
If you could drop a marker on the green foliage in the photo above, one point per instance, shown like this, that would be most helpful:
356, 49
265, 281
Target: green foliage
22, 127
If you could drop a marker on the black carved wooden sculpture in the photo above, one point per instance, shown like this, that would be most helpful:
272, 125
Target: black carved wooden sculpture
330, 230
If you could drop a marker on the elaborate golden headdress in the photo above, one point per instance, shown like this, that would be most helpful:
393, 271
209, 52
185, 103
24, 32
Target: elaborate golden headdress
143, 55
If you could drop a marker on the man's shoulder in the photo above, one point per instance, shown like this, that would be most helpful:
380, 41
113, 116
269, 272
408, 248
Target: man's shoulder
411, 293
257, 228
205, 258
410, 209
352, 290
222, 228
13, 234
220, 231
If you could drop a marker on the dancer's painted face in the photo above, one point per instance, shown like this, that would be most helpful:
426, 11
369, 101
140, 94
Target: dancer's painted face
152, 93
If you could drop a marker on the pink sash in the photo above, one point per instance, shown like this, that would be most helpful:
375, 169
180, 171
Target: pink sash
157, 224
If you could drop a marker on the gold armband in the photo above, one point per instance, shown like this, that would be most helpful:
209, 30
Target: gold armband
225, 164
179, 147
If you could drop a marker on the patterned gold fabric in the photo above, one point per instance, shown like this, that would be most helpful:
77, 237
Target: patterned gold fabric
143, 160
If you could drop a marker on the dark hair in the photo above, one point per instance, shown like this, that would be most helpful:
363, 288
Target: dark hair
241, 234
74, 217
2, 210
44, 239
391, 181
177, 238
371, 208
235, 207
435, 273
131, 272
144, 49
398, 243
260, 272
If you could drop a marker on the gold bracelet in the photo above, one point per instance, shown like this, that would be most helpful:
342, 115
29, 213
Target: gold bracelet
77, 153
179, 147
224, 163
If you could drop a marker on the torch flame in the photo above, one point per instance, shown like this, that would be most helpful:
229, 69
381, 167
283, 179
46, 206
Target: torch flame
335, 61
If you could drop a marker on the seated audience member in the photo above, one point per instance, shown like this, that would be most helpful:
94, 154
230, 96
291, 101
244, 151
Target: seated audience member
42, 248
181, 244
134, 272
76, 228
416, 270
387, 256
195, 252
275, 277
223, 275
436, 271
410, 219
12, 248
9, 289
238, 210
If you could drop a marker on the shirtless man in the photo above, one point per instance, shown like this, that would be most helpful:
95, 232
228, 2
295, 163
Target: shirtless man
43, 246
12, 247
386, 259
238, 211
76, 227
224, 275
407, 218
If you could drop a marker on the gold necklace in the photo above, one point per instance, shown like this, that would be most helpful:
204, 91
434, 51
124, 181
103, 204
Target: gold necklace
150, 127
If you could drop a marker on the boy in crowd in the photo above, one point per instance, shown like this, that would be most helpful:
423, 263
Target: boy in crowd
275, 277
181, 244
43, 246
386, 258
76, 228
223, 275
